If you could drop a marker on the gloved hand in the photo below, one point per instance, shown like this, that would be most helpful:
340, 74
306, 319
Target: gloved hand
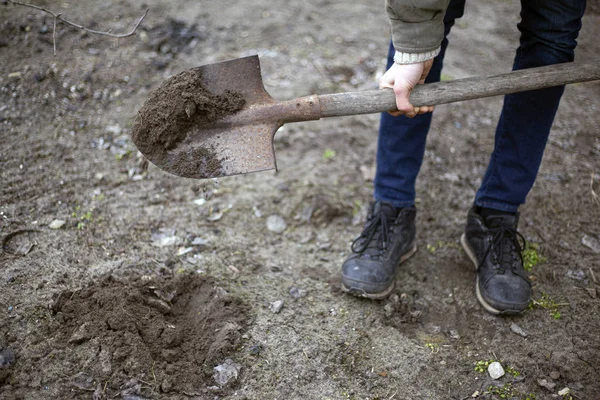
403, 78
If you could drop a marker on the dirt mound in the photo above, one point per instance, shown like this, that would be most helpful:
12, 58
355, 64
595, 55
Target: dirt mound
178, 104
168, 336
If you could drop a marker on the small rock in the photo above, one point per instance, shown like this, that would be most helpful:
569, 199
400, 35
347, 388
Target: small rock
577, 275
276, 306
80, 335
495, 370
199, 202
198, 241
276, 223
226, 372
7, 358
255, 349
160, 305
57, 224
450, 176
297, 293
114, 129
564, 391
591, 242
160, 240
453, 333
217, 216
555, 375
518, 330
184, 250
545, 384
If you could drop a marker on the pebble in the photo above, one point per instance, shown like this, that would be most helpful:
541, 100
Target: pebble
215, 217
276, 223
184, 250
297, 293
591, 242
7, 358
226, 372
57, 224
80, 335
564, 391
577, 275
555, 375
198, 241
255, 349
276, 306
518, 330
545, 384
495, 370
453, 333
164, 241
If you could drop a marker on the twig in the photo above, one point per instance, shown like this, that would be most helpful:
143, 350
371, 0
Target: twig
58, 17
595, 196
54, 36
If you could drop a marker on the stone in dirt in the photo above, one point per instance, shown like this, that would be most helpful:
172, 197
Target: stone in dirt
276, 223
226, 372
495, 370
518, 330
57, 224
591, 242
170, 112
564, 391
7, 358
545, 384
276, 306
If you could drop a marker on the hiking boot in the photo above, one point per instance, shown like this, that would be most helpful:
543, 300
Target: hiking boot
495, 247
387, 240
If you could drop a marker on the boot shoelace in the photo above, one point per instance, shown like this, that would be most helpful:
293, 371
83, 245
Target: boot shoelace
503, 246
374, 236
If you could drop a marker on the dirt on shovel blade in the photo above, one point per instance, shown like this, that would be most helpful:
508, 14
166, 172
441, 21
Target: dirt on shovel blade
178, 104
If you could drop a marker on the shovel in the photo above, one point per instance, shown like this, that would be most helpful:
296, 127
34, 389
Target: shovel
242, 141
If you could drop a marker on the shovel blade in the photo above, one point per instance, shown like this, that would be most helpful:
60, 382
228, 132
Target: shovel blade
230, 145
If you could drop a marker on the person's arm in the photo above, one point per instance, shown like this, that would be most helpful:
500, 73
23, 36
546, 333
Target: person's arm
417, 34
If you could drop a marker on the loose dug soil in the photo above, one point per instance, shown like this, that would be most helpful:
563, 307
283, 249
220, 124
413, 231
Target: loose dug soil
144, 337
177, 105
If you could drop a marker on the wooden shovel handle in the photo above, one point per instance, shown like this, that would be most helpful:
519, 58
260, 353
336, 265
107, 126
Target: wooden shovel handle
373, 101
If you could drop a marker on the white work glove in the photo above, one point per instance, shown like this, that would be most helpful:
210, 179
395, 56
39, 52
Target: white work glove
403, 78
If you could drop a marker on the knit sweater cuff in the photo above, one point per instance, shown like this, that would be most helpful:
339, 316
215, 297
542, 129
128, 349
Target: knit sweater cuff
415, 58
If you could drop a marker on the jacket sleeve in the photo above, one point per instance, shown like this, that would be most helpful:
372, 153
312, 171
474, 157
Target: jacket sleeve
417, 28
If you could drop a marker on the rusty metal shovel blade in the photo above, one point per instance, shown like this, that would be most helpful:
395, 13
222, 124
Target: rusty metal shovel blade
242, 142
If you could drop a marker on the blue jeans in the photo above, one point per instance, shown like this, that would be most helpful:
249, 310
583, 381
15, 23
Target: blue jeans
549, 30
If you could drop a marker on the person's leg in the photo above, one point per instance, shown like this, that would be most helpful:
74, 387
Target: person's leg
388, 237
401, 142
549, 30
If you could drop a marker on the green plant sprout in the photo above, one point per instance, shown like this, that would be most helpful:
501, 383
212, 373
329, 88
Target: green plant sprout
546, 302
531, 256
512, 371
433, 347
432, 248
84, 218
482, 365
328, 154
507, 392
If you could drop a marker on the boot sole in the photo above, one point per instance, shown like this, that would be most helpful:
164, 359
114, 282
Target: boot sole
485, 304
381, 295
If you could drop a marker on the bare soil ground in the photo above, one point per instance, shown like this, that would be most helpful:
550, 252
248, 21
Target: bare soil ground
155, 280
